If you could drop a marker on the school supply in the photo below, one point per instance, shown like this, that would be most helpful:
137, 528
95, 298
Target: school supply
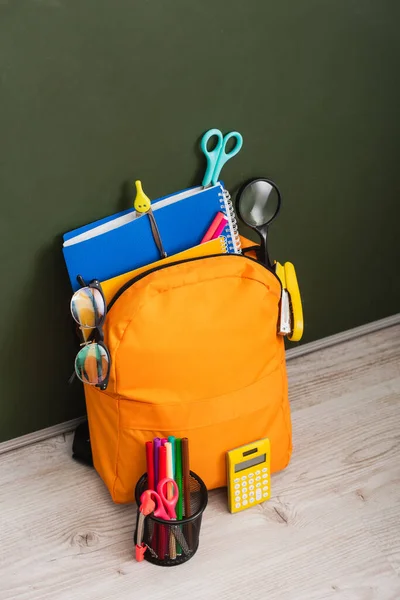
142, 205
248, 474
195, 353
112, 286
125, 243
217, 157
121, 218
284, 322
166, 454
220, 228
218, 223
178, 476
170, 495
172, 439
88, 308
186, 485
258, 202
150, 464
162, 462
163, 508
186, 475
291, 314
296, 309
165, 500
162, 475
162, 517
156, 453
156, 450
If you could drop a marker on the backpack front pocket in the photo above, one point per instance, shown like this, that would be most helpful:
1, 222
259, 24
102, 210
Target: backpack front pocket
180, 333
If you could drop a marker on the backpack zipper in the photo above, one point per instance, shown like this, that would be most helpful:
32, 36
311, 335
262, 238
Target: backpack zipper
129, 283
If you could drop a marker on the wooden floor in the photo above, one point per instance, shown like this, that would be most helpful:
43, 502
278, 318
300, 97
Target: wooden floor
330, 531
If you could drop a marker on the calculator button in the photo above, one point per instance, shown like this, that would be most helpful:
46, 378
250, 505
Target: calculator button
244, 490
237, 486
236, 480
244, 477
244, 496
251, 487
258, 478
264, 470
251, 500
258, 472
251, 474
265, 476
251, 494
237, 492
237, 505
258, 495
265, 488
265, 496
258, 485
244, 483
251, 480
245, 503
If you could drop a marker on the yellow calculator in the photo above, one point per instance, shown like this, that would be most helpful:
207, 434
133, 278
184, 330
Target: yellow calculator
248, 478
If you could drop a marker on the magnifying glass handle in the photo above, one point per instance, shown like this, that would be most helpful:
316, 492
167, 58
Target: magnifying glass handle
263, 255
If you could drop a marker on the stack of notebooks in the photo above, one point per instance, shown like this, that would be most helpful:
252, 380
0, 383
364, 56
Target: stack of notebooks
117, 248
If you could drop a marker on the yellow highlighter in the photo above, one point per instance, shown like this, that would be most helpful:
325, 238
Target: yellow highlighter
249, 475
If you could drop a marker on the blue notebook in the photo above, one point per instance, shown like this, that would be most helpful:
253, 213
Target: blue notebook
121, 243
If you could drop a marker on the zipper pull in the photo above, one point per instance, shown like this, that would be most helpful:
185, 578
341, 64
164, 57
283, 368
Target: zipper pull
140, 550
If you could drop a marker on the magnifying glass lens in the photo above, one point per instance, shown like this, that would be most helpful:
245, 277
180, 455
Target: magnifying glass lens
259, 203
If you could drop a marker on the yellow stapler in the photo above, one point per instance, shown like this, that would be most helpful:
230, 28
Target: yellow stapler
291, 312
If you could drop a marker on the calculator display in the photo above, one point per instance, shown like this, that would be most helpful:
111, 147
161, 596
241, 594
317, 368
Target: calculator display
250, 463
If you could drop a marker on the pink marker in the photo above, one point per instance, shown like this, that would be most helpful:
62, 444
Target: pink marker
219, 217
220, 228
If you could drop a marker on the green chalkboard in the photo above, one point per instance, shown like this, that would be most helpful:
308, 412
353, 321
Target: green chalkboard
95, 94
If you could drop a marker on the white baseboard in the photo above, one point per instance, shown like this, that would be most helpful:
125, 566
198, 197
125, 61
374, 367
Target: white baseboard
344, 336
338, 338
39, 436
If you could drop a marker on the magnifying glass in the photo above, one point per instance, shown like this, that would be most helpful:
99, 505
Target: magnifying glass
257, 203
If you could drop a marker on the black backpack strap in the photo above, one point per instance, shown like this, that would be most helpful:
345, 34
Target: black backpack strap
81, 448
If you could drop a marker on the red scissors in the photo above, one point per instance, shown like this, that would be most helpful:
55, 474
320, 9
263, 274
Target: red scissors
164, 506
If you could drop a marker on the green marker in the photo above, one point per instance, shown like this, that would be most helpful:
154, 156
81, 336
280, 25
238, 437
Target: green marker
178, 479
171, 438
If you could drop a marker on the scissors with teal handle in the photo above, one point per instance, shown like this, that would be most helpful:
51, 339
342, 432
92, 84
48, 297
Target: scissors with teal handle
217, 157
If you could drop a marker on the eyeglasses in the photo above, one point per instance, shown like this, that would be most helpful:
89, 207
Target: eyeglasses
89, 309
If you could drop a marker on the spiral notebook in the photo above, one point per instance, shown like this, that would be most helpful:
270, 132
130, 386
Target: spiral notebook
122, 243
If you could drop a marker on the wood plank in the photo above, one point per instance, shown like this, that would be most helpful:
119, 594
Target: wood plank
330, 531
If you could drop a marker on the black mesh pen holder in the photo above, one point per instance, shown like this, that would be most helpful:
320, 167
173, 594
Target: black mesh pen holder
171, 543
